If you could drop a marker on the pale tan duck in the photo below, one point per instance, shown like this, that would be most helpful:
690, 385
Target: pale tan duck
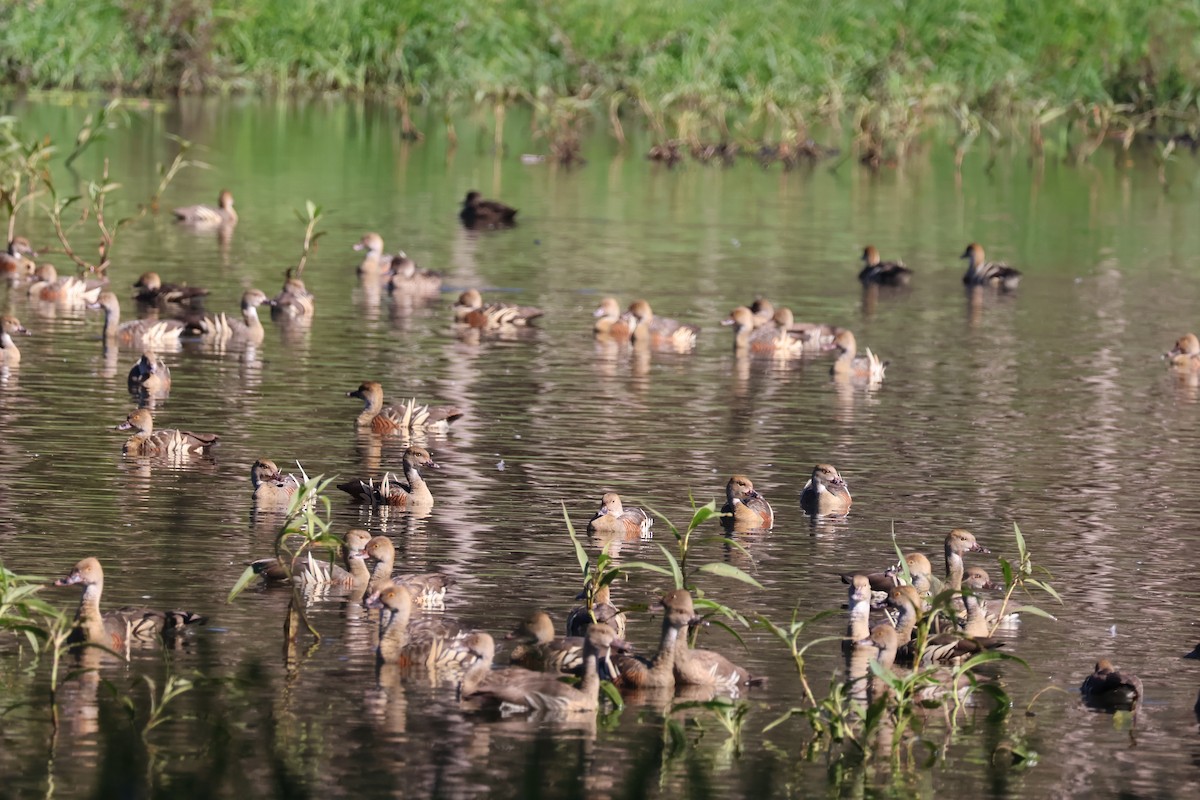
311, 570
601, 610
609, 321
273, 491
389, 491
116, 630
404, 277
516, 689
10, 355
168, 442
209, 216
221, 329
938, 686
408, 418
1185, 355
614, 518
884, 273
749, 510
294, 301
16, 261
816, 336
433, 642
140, 333
537, 648
152, 291
705, 667
658, 672
150, 376
826, 493
375, 264
849, 366
958, 543
981, 272
67, 290
469, 310
427, 589
752, 336
661, 332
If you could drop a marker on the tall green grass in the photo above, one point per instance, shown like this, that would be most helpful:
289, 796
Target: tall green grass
663, 58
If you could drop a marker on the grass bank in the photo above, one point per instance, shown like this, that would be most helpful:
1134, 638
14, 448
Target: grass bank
693, 68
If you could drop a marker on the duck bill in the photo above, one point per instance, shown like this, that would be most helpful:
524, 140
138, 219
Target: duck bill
69, 580
978, 548
356, 393
124, 426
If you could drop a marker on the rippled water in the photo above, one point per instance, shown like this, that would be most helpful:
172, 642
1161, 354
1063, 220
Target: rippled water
1049, 407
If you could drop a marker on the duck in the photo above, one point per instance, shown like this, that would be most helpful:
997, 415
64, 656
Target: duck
151, 290
469, 310
16, 261
221, 329
1185, 355
428, 589
150, 376
116, 630
750, 335
920, 572
852, 367
815, 336
658, 671
517, 689
10, 356
537, 648
612, 518
971, 640
661, 332
168, 442
981, 272
609, 321
294, 301
825, 494
408, 418
706, 667
375, 263
405, 277
884, 273
208, 216
749, 510
391, 492
311, 570
479, 213
858, 626
67, 290
142, 333
937, 686
601, 609
435, 643
959, 542
1109, 688
273, 491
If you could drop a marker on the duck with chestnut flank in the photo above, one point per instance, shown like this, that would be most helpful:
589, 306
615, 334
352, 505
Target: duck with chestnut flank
750, 336
149, 377
825, 494
160, 334
613, 518
375, 263
609, 321
1185, 355
407, 419
116, 630
389, 491
884, 273
67, 290
981, 272
658, 672
748, 509
222, 329
661, 332
202, 216
851, 367
479, 213
167, 442
16, 261
538, 649
469, 310
427, 589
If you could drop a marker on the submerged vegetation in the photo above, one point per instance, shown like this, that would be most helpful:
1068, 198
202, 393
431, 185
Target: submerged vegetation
697, 72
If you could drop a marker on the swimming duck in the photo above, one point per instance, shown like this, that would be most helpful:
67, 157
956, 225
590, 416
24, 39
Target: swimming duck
427, 589
15, 261
706, 667
375, 263
610, 322
613, 518
1107, 687
958, 542
825, 494
10, 356
67, 290
273, 491
658, 672
750, 335
479, 213
602, 610
859, 605
151, 290
391, 492
406, 419
815, 336
981, 272
160, 334
852, 367
116, 630
937, 685
661, 332
150, 376
750, 510
294, 301
207, 216
884, 273
470, 311
920, 572
169, 442
220, 329
1185, 355
970, 640
516, 689
538, 649
312, 570
405, 277
436, 643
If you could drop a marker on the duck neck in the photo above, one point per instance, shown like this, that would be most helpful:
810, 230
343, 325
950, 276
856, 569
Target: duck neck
954, 570
416, 483
88, 619
905, 623
356, 565
382, 574
976, 622
591, 673
859, 627
664, 659
112, 321
393, 633
250, 316
371, 407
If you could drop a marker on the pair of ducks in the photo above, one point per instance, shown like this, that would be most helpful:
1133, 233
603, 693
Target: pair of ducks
781, 336
469, 310
396, 273
980, 271
640, 325
825, 494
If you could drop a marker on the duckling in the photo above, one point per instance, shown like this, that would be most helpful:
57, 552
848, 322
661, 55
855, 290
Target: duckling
981, 272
